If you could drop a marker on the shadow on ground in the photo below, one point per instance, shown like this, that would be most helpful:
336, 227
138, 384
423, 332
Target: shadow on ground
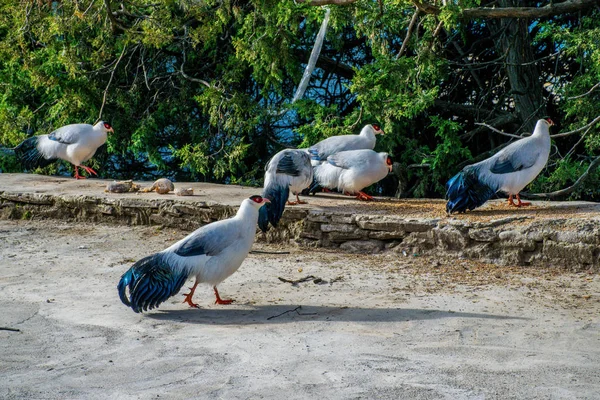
279, 314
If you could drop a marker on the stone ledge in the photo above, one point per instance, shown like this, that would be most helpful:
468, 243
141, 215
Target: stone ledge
550, 234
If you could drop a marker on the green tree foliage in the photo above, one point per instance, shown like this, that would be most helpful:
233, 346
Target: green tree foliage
201, 89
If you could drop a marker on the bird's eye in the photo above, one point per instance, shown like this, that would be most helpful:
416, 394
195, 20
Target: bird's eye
376, 127
256, 198
107, 126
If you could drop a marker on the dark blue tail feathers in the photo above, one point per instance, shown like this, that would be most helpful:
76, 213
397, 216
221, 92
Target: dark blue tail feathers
314, 187
272, 212
30, 156
466, 192
151, 282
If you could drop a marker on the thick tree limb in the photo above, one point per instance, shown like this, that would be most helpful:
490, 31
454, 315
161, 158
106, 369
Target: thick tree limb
549, 10
327, 2
570, 189
411, 25
114, 23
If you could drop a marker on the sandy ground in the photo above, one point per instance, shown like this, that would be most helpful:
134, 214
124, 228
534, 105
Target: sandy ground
375, 327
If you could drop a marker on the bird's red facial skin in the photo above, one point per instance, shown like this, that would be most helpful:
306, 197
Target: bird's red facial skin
377, 128
259, 199
388, 161
550, 121
108, 127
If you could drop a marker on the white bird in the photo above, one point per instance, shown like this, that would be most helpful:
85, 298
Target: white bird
288, 171
75, 143
351, 171
365, 140
210, 254
509, 171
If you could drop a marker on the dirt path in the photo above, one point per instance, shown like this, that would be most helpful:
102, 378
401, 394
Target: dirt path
375, 326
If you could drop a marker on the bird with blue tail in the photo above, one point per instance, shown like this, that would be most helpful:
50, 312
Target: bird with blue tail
211, 254
508, 171
75, 143
288, 171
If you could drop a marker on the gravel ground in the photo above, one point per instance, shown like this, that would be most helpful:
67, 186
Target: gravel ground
363, 327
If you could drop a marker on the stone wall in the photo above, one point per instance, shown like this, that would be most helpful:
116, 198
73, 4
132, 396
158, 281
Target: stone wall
559, 242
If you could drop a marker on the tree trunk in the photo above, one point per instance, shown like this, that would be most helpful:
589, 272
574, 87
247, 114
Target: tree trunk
522, 72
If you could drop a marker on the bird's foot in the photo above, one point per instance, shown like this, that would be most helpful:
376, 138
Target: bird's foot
522, 203
89, 170
188, 300
365, 197
301, 202
77, 176
325, 190
510, 201
292, 203
219, 300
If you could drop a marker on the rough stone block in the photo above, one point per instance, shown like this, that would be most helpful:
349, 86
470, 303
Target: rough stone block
316, 216
483, 235
571, 253
338, 228
342, 219
384, 235
362, 246
450, 238
343, 236
420, 240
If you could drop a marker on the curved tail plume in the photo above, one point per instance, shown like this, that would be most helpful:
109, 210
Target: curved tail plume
272, 212
29, 155
465, 191
150, 281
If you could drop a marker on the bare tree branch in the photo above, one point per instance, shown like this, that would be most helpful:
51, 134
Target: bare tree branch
498, 131
586, 93
112, 74
570, 189
411, 25
549, 10
597, 119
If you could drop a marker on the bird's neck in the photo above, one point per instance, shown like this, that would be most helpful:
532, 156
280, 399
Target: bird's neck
367, 133
247, 212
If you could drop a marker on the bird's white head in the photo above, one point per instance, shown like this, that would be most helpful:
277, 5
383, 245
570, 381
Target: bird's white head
105, 126
388, 161
377, 129
257, 201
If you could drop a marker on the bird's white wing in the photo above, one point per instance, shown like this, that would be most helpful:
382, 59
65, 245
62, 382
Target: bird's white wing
335, 144
351, 159
517, 156
209, 240
70, 134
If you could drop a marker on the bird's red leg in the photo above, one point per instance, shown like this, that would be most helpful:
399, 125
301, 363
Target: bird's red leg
510, 201
522, 203
325, 190
363, 196
77, 176
219, 299
188, 297
89, 170
298, 201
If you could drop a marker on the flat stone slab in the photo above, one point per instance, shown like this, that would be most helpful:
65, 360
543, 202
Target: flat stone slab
564, 234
